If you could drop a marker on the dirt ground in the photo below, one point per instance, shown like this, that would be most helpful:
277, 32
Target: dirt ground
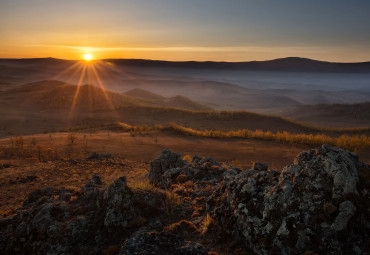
60, 159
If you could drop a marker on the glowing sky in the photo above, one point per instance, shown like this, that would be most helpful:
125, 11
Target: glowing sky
227, 30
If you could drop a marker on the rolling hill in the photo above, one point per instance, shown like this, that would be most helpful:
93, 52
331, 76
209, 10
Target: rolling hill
175, 102
344, 115
288, 64
50, 106
267, 87
144, 94
56, 94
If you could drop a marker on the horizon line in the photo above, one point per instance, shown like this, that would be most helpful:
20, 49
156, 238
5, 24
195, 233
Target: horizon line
195, 61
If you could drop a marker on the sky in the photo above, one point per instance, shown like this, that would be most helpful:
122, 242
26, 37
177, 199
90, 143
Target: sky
184, 30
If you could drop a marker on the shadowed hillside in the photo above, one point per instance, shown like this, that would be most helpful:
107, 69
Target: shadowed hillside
176, 101
142, 93
51, 106
290, 64
268, 87
56, 94
337, 114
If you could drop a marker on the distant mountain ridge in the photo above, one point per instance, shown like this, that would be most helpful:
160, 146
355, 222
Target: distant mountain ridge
289, 64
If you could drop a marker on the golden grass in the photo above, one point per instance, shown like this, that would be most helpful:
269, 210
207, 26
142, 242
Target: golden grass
182, 225
206, 223
351, 142
188, 158
143, 185
171, 200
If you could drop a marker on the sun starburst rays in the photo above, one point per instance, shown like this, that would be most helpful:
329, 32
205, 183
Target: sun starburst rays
75, 97
91, 101
90, 98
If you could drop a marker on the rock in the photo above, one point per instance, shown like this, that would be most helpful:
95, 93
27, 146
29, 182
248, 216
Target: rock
94, 183
119, 204
318, 205
346, 211
95, 156
2, 166
313, 205
329, 208
168, 169
163, 243
62, 221
259, 166
165, 161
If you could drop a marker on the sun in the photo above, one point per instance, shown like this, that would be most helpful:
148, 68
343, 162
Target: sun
87, 56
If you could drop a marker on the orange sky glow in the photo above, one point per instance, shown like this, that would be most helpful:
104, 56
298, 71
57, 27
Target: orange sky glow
207, 30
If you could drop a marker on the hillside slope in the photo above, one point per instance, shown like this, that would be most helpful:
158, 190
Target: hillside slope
56, 94
337, 114
175, 102
51, 106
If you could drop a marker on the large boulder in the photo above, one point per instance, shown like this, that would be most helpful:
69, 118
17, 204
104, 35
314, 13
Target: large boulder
319, 204
163, 243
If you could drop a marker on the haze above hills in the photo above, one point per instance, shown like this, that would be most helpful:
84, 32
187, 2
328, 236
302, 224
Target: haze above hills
290, 87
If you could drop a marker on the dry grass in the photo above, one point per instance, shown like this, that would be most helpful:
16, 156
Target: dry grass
170, 201
182, 226
206, 223
351, 142
188, 158
143, 185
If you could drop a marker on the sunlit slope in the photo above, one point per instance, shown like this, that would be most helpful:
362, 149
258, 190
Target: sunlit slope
55, 94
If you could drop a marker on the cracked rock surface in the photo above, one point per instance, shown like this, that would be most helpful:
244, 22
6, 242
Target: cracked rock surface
62, 221
163, 243
318, 204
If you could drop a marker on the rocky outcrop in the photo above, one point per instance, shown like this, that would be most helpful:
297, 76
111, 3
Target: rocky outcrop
168, 169
165, 161
62, 221
319, 204
163, 243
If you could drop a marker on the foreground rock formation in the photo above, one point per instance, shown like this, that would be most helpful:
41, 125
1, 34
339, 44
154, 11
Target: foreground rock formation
318, 205
92, 221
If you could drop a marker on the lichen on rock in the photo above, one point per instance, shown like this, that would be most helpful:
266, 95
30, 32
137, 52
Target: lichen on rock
313, 205
62, 221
